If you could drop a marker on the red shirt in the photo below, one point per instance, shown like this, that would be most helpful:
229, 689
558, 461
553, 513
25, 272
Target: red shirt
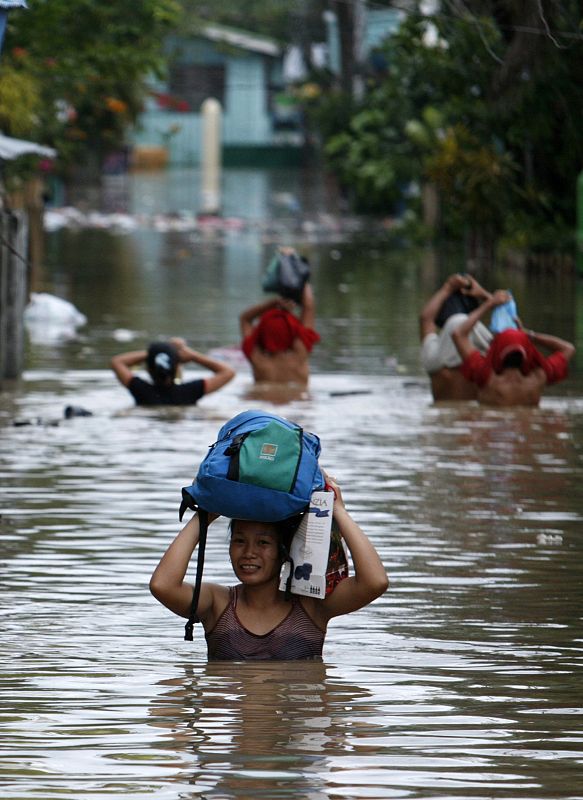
275, 332
478, 368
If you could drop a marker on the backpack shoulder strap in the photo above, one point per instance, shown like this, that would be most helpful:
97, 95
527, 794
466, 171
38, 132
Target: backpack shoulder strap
193, 616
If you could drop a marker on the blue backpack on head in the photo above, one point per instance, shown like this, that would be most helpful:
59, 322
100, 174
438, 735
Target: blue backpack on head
262, 467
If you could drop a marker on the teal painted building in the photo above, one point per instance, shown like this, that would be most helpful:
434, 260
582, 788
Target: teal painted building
241, 70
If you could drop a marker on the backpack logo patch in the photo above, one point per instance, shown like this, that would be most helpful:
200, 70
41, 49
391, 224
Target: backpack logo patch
268, 452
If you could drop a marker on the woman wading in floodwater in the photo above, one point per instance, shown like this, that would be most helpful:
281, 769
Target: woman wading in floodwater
254, 620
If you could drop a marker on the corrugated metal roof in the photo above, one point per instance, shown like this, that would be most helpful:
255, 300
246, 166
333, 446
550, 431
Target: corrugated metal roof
13, 148
242, 39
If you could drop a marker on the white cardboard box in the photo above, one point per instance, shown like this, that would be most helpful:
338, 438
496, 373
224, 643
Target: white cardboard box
310, 548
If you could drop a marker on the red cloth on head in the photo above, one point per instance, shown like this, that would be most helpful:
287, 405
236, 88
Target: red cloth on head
275, 332
514, 341
478, 368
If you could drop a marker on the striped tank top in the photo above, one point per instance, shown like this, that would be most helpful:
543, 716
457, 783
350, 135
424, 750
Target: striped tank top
297, 637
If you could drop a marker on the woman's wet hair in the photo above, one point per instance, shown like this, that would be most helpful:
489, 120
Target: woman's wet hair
162, 361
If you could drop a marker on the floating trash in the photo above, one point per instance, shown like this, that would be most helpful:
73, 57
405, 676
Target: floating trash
319, 227
50, 319
123, 335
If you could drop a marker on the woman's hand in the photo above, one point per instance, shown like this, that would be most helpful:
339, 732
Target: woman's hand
332, 484
500, 297
457, 282
181, 348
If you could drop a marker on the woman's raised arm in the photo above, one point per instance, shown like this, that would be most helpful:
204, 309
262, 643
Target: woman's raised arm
167, 583
370, 578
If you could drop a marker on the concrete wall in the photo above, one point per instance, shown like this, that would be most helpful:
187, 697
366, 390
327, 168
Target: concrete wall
247, 118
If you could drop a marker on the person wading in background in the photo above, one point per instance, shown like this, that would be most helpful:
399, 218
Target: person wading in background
163, 360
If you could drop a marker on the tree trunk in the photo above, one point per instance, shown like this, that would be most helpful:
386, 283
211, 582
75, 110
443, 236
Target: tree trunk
480, 249
346, 33
430, 205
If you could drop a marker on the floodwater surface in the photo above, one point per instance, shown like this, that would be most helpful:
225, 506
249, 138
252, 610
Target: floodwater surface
462, 681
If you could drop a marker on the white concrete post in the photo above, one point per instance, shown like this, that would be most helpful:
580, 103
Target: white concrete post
211, 156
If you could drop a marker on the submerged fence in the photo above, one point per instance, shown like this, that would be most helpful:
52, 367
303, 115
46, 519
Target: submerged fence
13, 291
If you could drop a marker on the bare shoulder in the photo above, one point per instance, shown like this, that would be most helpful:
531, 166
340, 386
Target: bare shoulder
219, 599
538, 377
220, 595
261, 364
299, 348
513, 389
258, 356
316, 610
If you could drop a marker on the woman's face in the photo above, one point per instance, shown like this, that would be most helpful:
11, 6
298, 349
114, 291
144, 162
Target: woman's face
254, 552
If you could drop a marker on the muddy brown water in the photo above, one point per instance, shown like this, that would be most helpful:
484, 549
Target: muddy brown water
463, 681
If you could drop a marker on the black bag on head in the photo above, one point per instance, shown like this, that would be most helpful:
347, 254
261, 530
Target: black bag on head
287, 275
456, 303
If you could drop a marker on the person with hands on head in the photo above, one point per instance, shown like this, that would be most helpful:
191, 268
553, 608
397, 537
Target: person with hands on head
447, 309
254, 620
163, 360
276, 342
513, 372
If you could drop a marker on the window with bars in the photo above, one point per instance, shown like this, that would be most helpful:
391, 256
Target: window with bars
193, 83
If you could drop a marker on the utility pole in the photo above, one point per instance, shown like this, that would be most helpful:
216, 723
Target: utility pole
211, 156
579, 231
351, 17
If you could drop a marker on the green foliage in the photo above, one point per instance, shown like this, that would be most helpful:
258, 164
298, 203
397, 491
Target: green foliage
389, 142
327, 110
492, 116
89, 66
20, 101
365, 159
476, 179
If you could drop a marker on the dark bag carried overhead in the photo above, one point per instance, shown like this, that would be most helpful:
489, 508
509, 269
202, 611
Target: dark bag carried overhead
262, 467
287, 274
456, 303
